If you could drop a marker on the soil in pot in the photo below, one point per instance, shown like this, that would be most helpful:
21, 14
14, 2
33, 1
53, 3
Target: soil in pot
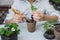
57, 32
31, 26
12, 37
49, 34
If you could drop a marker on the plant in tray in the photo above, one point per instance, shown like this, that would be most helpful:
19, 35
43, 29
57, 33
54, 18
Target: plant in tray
31, 24
49, 27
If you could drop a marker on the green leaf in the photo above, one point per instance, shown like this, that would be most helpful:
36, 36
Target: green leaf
6, 25
18, 31
33, 8
7, 29
8, 33
2, 30
45, 26
49, 24
51, 21
14, 25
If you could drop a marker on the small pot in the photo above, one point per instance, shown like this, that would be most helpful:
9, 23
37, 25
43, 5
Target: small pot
31, 26
57, 31
13, 37
49, 34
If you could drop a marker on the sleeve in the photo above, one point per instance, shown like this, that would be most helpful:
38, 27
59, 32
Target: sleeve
28, 13
9, 15
51, 11
15, 5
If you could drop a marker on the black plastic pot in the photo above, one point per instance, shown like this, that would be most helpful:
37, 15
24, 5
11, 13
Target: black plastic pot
55, 4
13, 37
49, 34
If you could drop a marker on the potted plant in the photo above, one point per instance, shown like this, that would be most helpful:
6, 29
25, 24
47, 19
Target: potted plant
57, 31
55, 3
31, 24
9, 31
49, 27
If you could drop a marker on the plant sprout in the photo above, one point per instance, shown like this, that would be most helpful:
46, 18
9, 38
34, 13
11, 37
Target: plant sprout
9, 29
49, 25
33, 8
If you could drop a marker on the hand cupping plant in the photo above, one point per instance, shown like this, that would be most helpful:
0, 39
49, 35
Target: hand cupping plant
9, 29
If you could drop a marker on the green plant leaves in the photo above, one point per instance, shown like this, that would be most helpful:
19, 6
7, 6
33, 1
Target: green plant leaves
18, 31
9, 29
8, 33
7, 25
2, 31
14, 25
49, 24
45, 26
33, 8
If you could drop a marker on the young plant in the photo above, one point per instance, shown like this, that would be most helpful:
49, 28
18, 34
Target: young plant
49, 25
33, 8
9, 29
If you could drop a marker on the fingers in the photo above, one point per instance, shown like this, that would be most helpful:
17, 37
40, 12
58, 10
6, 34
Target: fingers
36, 18
18, 18
34, 12
17, 15
37, 12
